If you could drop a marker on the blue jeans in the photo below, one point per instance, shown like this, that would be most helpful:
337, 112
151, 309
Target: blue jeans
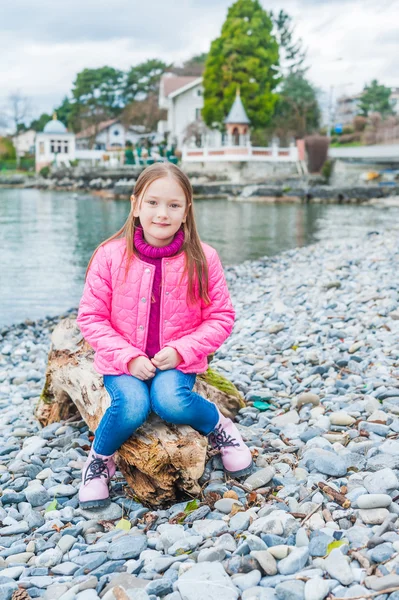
169, 394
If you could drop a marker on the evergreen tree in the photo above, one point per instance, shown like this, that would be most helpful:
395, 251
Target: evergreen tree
39, 123
376, 98
292, 54
64, 112
246, 56
297, 110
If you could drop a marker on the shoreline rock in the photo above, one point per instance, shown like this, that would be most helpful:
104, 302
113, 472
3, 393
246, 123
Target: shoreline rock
317, 411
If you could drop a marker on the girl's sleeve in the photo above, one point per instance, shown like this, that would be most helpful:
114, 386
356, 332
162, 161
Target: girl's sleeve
217, 320
94, 318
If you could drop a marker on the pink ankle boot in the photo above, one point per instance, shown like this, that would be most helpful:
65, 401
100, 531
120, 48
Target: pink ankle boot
236, 456
94, 490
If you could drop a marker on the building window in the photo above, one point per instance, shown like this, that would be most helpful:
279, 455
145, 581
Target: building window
41, 147
52, 145
59, 147
197, 114
116, 132
198, 92
66, 147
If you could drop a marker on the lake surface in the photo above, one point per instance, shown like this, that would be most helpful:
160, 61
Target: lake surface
47, 238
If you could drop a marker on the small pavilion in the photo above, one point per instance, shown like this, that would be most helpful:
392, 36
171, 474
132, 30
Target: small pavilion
54, 145
237, 123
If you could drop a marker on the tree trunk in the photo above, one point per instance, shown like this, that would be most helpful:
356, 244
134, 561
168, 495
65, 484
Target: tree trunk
161, 460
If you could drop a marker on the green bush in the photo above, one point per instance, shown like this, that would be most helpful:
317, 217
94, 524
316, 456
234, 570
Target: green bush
348, 129
326, 169
7, 150
44, 172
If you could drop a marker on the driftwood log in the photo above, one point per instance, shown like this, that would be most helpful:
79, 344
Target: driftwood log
161, 460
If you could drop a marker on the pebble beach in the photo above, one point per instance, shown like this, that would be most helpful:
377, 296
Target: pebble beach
315, 353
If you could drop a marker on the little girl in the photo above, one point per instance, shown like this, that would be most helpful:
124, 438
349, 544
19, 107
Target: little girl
155, 305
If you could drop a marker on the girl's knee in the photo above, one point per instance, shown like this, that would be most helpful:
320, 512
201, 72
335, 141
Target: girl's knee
129, 402
172, 405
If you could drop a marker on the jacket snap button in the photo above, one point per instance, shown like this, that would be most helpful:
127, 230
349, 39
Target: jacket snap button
147, 270
144, 299
167, 293
141, 326
167, 262
166, 320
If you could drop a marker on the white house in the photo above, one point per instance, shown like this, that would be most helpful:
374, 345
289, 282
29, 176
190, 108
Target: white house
24, 143
54, 144
111, 135
182, 97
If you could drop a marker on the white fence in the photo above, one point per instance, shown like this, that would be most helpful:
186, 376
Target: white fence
240, 153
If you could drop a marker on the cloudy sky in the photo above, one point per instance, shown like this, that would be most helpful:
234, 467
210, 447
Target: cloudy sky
43, 44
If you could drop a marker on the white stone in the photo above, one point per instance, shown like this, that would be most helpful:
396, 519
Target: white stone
279, 551
209, 527
341, 418
373, 516
381, 481
286, 418
259, 478
206, 581
12, 572
374, 501
316, 588
266, 561
337, 566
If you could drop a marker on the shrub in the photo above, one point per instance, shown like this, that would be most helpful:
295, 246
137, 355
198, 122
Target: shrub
7, 150
359, 123
347, 138
347, 130
44, 172
326, 169
369, 136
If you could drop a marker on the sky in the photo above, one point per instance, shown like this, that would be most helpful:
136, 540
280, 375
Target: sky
43, 44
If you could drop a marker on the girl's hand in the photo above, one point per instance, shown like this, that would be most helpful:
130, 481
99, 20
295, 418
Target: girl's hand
141, 367
167, 358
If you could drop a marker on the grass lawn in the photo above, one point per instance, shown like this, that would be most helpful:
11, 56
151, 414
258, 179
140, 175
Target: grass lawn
349, 145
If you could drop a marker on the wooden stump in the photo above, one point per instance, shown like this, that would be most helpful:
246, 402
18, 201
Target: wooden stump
160, 460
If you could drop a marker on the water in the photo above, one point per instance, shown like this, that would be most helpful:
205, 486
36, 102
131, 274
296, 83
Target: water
47, 238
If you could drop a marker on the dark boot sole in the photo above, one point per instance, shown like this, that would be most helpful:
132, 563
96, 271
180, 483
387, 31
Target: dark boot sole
243, 472
95, 503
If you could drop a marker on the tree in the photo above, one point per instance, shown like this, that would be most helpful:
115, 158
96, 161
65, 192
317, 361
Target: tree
143, 79
65, 111
297, 111
194, 66
376, 98
292, 54
18, 112
97, 95
246, 56
39, 123
145, 113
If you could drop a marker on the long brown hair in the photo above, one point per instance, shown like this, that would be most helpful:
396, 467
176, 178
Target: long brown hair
196, 265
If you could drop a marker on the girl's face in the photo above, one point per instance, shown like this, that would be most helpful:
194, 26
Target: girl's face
161, 211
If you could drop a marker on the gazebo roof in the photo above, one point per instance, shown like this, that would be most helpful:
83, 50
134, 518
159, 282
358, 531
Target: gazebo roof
237, 114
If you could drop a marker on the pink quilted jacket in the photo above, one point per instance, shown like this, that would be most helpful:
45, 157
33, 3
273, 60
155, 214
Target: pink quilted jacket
113, 313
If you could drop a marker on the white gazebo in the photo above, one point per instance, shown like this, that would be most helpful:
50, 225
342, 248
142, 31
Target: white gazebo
235, 147
237, 124
54, 145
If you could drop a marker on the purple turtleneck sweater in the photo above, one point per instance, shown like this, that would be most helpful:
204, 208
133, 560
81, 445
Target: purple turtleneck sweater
153, 255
